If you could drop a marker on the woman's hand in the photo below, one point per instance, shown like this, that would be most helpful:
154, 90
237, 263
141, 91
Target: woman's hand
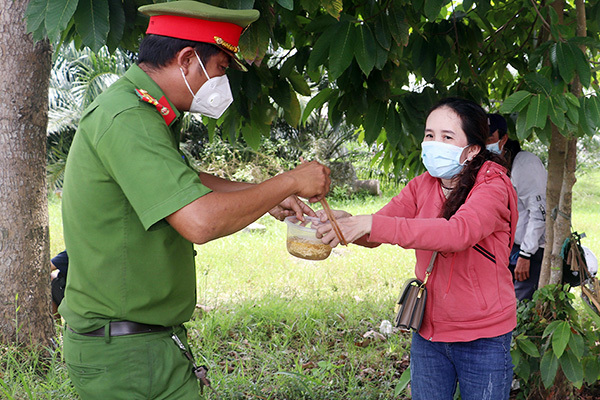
337, 214
352, 228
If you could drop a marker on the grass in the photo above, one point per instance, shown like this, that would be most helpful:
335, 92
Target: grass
273, 326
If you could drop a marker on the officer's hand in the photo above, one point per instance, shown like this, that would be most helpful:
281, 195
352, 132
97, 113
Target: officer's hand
312, 180
522, 269
291, 206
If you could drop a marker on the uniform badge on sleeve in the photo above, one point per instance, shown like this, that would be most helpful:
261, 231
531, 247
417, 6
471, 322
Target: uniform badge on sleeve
161, 105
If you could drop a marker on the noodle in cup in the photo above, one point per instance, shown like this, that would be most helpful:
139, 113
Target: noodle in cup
302, 241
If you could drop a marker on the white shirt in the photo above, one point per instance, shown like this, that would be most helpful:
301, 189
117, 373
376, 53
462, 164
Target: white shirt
529, 176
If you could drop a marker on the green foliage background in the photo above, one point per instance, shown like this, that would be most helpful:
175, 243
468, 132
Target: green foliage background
379, 65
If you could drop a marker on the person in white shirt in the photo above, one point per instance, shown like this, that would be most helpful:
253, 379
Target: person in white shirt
529, 177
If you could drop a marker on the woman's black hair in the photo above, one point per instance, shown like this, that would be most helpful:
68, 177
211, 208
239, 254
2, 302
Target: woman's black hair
474, 122
158, 51
510, 150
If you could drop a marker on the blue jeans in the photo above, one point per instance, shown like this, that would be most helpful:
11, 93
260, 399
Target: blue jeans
483, 368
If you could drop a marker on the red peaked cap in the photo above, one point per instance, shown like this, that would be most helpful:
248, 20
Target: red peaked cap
200, 22
198, 30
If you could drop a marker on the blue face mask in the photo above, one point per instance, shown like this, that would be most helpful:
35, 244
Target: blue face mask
442, 160
494, 147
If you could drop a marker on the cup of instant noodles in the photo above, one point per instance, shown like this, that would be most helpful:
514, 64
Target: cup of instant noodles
302, 241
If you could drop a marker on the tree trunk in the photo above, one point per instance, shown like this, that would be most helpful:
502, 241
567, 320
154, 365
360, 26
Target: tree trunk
24, 243
556, 163
558, 227
562, 224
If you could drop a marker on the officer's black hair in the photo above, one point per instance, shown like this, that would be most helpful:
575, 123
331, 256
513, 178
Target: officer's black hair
158, 51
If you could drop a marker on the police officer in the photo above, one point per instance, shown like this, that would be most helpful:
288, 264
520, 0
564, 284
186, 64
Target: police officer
529, 177
133, 208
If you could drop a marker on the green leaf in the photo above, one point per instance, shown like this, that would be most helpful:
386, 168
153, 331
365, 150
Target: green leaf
564, 59
548, 368
515, 354
573, 112
381, 57
592, 110
528, 347
117, 24
586, 124
320, 52
287, 67
299, 83
36, 14
560, 338
59, 13
402, 382
515, 102
572, 99
341, 54
251, 136
582, 66
539, 83
333, 7
255, 41
432, 8
91, 22
280, 92
572, 368
591, 369
576, 344
287, 4
293, 112
550, 328
393, 126
557, 116
382, 31
364, 51
230, 127
316, 102
591, 313
398, 27
373, 122
537, 112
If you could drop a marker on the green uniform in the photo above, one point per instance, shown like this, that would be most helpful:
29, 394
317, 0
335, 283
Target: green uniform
124, 175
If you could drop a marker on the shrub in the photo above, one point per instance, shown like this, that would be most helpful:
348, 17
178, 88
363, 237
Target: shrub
555, 348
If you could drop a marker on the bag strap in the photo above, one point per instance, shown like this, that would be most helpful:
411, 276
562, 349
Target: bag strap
430, 267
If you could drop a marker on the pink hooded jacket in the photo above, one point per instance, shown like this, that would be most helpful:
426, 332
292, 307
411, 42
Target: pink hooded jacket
470, 291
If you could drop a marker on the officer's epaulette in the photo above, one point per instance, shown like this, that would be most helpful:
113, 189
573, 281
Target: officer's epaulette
161, 105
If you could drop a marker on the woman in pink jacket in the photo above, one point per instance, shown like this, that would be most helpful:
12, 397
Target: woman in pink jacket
465, 208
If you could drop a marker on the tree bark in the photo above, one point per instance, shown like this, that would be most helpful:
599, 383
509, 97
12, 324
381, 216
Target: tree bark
24, 240
562, 224
556, 163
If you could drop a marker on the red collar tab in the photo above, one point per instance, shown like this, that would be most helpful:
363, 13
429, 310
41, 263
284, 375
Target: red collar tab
224, 34
162, 105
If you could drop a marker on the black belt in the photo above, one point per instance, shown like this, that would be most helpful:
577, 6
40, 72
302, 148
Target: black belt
122, 328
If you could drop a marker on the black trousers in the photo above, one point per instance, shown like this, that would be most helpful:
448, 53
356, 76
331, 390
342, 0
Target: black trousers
524, 289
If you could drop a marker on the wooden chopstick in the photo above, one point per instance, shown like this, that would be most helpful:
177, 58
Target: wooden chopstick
334, 224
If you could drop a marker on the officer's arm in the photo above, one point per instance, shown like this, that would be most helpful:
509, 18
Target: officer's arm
222, 213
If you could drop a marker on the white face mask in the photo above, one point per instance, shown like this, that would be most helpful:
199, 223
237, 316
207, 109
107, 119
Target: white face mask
494, 147
442, 160
213, 97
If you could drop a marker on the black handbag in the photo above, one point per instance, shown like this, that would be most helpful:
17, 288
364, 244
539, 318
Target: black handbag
411, 304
